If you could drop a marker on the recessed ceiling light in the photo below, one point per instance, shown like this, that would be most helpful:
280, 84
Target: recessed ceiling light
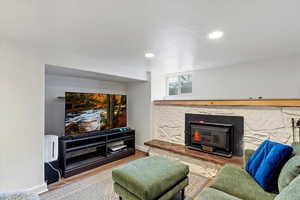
149, 55
215, 35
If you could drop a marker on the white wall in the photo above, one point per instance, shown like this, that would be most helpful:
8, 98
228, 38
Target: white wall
21, 120
275, 78
22, 109
76, 61
139, 111
138, 95
56, 86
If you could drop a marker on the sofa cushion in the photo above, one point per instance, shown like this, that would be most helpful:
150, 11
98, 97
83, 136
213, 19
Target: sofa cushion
237, 182
291, 192
148, 178
289, 171
296, 147
213, 194
266, 162
247, 155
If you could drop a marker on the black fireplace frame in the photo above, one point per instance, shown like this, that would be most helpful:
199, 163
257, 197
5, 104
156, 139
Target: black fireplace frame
237, 132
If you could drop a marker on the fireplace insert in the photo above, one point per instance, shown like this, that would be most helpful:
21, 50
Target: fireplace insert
212, 137
216, 134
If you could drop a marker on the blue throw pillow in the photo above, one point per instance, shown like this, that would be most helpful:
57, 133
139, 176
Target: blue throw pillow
266, 162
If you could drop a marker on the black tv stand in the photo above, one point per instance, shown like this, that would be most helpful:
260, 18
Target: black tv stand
81, 153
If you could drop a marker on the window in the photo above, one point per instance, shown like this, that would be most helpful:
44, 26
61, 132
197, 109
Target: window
179, 84
173, 86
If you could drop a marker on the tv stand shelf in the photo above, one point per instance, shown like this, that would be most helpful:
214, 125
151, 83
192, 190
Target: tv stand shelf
120, 139
78, 154
96, 144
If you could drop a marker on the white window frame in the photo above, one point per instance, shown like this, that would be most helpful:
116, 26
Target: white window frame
173, 75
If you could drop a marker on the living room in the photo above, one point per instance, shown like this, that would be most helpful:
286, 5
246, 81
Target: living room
149, 100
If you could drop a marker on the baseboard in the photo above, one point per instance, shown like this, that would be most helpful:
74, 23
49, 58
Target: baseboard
142, 148
38, 189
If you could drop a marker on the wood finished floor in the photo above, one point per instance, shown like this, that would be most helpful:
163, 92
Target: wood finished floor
64, 181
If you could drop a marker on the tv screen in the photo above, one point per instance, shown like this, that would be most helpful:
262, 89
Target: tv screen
119, 111
85, 112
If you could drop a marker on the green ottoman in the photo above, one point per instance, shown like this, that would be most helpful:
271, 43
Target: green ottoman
150, 178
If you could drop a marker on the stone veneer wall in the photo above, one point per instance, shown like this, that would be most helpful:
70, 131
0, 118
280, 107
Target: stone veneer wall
261, 123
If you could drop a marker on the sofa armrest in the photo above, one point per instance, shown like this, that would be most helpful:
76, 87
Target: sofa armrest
248, 154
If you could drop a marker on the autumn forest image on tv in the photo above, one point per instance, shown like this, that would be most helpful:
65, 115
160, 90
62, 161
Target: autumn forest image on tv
85, 112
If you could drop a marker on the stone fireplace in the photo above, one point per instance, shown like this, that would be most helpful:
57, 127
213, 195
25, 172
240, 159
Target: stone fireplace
259, 123
216, 134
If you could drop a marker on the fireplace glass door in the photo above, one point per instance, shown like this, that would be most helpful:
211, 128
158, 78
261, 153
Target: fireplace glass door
210, 136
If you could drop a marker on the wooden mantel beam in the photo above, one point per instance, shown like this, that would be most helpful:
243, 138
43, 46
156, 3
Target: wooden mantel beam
233, 102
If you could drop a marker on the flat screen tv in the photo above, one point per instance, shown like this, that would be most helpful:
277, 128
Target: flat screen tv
86, 112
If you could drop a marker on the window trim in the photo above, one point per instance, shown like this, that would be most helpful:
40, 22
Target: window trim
172, 75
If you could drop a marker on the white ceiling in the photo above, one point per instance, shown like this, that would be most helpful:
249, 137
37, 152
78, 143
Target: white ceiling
175, 30
70, 72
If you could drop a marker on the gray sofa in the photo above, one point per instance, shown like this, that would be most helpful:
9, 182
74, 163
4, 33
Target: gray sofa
234, 183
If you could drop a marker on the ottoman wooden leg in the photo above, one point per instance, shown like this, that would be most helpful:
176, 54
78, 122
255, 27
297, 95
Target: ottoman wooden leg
182, 194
